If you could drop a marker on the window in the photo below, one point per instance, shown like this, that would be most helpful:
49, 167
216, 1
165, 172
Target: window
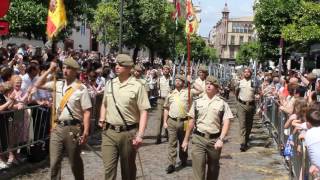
231, 52
232, 41
241, 40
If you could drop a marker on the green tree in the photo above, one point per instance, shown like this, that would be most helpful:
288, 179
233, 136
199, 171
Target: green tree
248, 51
305, 28
28, 17
270, 17
199, 49
105, 24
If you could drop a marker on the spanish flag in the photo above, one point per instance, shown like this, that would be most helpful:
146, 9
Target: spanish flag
57, 18
191, 19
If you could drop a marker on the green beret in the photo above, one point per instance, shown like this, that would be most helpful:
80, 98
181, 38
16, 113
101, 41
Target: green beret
124, 60
181, 77
213, 80
203, 68
71, 63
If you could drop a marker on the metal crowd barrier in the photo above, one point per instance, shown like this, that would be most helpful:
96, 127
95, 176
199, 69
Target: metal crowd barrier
24, 128
298, 164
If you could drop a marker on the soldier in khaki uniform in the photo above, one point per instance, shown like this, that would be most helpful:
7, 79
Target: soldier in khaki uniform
245, 94
175, 115
165, 83
210, 119
201, 80
71, 117
137, 73
123, 127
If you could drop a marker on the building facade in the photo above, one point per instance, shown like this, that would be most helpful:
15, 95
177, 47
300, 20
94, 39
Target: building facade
229, 33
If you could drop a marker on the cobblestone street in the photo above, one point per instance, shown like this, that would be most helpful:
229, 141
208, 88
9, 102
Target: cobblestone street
261, 161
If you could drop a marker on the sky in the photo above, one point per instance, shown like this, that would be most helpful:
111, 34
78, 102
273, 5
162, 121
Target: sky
211, 12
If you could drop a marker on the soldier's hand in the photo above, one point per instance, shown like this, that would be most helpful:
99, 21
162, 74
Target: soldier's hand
137, 141
101, 123
218, 144
185, 145
84, 138
165, 125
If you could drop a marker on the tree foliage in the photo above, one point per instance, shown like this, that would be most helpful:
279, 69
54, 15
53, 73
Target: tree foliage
305, 27
270, 17
28, 17
247, 51
199, 49
105, 15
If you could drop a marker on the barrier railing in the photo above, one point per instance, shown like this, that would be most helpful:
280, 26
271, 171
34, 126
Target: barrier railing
23, 128
290, 146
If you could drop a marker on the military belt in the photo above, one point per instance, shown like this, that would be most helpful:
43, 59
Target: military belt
179, 119
246, 102
119, 129
71, 122
206, 135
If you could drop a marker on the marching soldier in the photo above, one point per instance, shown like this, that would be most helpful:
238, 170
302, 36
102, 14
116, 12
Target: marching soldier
175, 117
201, 80
137, 73
165, 83
245, 94
73, 106
210, 120
123, 117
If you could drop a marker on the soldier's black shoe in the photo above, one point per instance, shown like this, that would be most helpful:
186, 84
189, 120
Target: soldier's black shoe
183, 164
158, 141
170, 169
243, 147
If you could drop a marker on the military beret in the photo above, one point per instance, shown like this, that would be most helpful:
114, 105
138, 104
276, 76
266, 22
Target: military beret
124, 60
203, 68
213, 80
166, 66
138, 67
181, 77
71, 63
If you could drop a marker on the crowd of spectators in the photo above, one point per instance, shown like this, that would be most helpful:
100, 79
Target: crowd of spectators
298, 97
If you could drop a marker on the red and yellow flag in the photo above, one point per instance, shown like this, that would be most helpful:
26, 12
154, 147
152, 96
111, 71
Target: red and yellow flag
57, 18
191, 19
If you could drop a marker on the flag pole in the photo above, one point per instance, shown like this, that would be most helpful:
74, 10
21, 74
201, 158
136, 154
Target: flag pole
188, 72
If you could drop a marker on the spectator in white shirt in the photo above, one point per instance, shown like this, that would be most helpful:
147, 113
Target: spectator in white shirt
312, 137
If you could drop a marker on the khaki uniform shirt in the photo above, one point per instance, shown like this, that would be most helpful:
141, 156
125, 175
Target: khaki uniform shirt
131, 98
246, 91
177, 102
144, 83
201, 83
164, 86
78, 102
209, 114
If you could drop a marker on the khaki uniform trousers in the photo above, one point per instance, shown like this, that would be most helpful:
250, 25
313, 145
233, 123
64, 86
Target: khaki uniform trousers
66, 138
203, 153
176, 133
245, 115
115, 145
159, 119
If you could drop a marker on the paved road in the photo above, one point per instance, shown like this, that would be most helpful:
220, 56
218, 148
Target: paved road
259, 162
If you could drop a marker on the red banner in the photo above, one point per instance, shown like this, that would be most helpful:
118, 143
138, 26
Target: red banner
4, 7
4, 28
